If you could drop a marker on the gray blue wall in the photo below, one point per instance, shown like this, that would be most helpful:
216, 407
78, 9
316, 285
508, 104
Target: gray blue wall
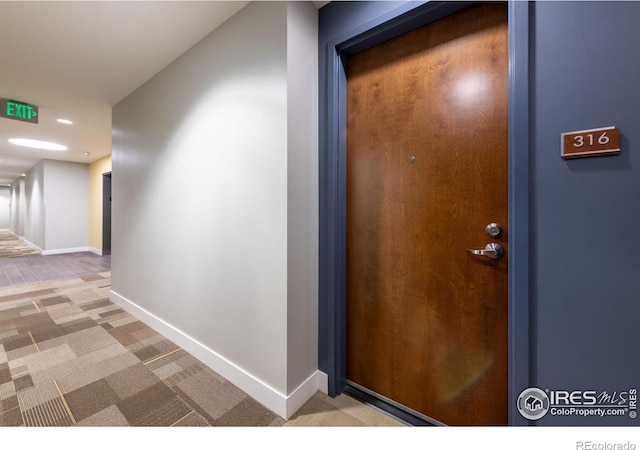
585, 230
585, 243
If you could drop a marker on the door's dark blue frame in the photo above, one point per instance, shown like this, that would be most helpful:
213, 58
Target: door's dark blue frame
332, 159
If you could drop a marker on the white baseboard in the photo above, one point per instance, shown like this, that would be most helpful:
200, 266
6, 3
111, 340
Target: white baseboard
323, 382
32, 245
283, 405
60, 251
294, 401
96, 251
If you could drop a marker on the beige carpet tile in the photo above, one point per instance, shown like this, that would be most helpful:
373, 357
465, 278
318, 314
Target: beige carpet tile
109, 359
30, 322
132, 380
92, 277
62, 339
13, 313
192, 404
22, 352
51, 413
9, 403
35, 395
180, 366
113, 312
7, 390
214, 397
120, 322
191, 419
51, 301
68, 356
106, 359
23, 382
156, 405
5, 373
63, 314
47, 331
46, 359
77, 324
156, 351
16, 342
11, 418
173, 359
12, 246
25, 293
84, 374
108, 417
123, 335
164, 416
96, 304
145, 337
166, 371
89, 340
18, 370
91, 399
246, 413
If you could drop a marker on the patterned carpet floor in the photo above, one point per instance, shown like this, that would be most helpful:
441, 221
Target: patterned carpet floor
11, 246
69, 356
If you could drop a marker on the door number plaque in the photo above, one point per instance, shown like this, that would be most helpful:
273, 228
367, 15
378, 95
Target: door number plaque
594, 142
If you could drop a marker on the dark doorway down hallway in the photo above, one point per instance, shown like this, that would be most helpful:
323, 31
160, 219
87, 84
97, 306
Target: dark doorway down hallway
106, 214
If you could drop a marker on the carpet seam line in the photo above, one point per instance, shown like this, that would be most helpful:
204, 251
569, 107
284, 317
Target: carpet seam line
64, 401
9, 410
162, 356
34, 341
182, 418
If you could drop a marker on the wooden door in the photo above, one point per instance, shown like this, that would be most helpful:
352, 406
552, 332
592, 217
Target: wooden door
426, 173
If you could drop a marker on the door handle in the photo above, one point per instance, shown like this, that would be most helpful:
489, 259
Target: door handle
492, 251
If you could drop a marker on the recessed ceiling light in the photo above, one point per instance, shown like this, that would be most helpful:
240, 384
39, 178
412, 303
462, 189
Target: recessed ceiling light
42, 145
65, 121
23, 175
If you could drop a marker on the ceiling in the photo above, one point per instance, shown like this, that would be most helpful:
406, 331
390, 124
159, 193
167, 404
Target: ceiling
76, 59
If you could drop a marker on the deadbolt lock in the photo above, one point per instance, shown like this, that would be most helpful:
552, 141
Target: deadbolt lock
493, 230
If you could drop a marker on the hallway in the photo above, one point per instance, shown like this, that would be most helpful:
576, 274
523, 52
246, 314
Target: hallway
70, 357
35, 268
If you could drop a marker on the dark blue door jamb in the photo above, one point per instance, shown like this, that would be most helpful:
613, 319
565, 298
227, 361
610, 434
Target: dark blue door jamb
332, 276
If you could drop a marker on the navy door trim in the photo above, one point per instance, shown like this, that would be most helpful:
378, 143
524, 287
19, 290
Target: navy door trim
332, 153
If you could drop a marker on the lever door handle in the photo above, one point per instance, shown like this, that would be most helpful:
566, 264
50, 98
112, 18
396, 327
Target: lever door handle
492, 251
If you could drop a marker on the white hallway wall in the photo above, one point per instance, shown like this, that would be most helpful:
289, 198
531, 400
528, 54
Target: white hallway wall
34, 222
214, 231
18, 206
66, 192
57, 206
5, 210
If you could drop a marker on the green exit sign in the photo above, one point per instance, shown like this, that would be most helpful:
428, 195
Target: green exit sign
12, 109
